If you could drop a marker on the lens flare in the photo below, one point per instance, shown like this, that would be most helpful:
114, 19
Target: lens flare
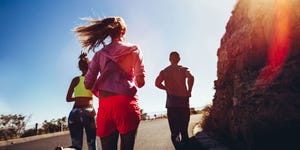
279, 48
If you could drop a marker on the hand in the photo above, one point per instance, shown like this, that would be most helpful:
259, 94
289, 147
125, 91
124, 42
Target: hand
140, 81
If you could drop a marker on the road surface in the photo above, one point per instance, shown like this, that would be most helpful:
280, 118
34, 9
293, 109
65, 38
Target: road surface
152, 135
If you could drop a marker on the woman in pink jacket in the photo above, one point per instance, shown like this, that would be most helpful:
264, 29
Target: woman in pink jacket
121, 69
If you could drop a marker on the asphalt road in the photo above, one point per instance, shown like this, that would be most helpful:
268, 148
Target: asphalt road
152, 135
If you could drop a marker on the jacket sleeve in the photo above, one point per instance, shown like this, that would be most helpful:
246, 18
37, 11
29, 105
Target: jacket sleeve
93, 71
139, 63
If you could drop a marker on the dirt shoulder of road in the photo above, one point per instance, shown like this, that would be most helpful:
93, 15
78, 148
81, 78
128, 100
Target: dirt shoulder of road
31, 138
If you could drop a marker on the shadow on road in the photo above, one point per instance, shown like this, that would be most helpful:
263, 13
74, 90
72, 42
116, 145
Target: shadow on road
193, 144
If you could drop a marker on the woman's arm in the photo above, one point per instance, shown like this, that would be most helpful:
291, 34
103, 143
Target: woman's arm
140, 81
73, 84
139, 69
92, 73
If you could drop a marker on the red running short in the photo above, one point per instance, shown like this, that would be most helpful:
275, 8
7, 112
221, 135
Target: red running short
119, 112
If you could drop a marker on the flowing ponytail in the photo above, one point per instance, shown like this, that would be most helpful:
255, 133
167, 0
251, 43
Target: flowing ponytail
94, 34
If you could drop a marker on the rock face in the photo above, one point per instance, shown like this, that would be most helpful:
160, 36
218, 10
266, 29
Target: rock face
257, 99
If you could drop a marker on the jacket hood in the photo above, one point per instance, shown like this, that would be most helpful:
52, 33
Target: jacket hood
116, 50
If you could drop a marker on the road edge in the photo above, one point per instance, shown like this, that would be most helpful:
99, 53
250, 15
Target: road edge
31, 138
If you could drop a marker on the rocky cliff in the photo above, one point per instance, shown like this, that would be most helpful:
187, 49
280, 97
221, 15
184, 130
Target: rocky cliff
257, 99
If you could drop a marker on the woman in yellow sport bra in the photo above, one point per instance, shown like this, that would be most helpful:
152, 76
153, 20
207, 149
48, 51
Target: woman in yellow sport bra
82, 114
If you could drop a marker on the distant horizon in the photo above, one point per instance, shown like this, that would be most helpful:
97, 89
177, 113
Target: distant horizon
150, 114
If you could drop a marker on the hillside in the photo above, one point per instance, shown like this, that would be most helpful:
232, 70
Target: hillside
257, 99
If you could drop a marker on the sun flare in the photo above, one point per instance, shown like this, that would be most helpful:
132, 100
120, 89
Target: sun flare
279, 48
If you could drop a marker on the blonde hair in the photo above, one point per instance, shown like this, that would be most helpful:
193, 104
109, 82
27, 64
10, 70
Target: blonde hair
94, 34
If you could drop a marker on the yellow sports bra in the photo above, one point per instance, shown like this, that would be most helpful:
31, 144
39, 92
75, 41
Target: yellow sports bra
80, 90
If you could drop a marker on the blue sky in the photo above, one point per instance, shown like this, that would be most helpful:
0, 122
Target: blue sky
39, 51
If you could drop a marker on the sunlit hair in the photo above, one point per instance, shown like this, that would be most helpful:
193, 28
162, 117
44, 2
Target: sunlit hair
94, 34
83, 63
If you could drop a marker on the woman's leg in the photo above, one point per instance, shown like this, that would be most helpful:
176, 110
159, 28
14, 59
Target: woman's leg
110, 142
127, 119
76, 129
90, 130
128, 140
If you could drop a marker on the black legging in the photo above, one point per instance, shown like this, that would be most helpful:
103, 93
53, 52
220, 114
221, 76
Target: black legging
178, 122
111, 142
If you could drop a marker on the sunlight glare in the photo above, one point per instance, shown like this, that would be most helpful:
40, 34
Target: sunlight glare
279, 48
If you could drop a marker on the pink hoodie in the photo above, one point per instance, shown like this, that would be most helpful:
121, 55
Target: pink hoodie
114, 78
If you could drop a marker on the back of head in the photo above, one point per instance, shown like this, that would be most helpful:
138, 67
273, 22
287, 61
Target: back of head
174, 57
83, 62
98, 30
